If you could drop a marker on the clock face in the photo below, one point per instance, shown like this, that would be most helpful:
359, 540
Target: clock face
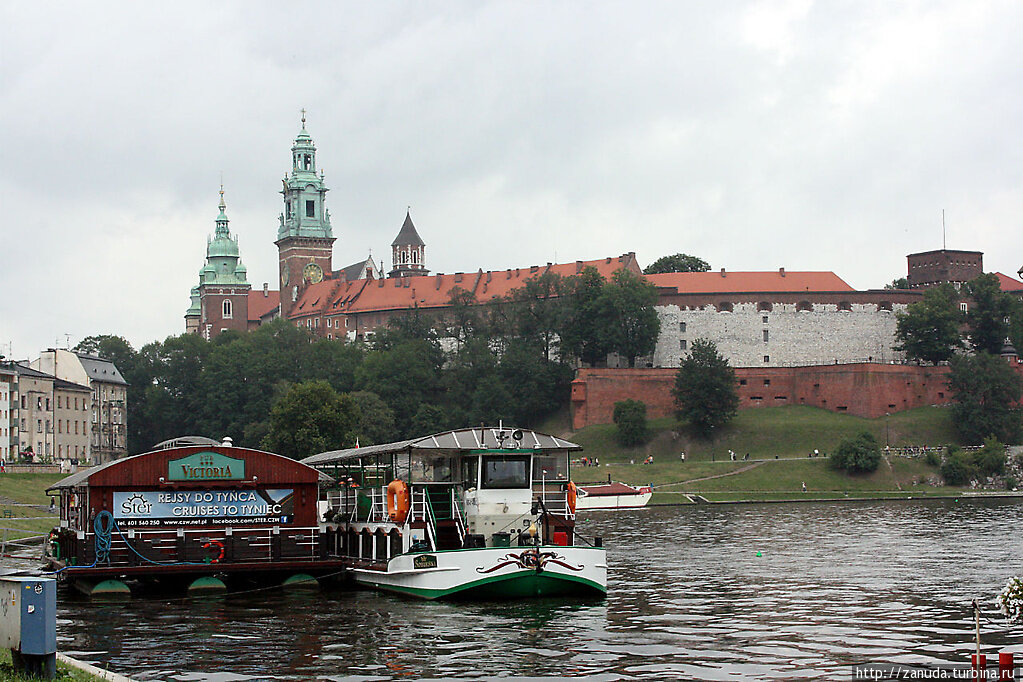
313, 273
285, 275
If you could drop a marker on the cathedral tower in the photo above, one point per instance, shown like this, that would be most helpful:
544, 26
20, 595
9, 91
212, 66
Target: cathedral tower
221, 301
408, 251
305, 239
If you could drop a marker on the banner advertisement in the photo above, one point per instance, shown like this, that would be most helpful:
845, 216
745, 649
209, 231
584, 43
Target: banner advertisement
203, 507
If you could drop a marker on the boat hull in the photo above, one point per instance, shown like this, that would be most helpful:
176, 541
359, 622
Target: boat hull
613, 501
493, 573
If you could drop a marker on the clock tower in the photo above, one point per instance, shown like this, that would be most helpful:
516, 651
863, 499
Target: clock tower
305, 239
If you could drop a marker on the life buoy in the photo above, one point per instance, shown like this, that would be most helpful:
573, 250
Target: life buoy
571, 496
397, 501
219, 546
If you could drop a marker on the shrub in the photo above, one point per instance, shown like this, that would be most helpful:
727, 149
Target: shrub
933, 458
990, 459
958, 468
857, 455
630, 418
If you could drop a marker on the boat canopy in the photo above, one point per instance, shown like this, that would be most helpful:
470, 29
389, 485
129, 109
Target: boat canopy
480, 438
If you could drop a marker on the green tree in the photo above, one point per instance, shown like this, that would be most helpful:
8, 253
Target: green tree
376, 420
584, 335
990, 459
704, 391
897, 284
986, 393
859, 455
537, 387
987, 318
679, 262
958, 468
311, 418
537, 310
631, 323
929, 329
405, 376
630, 418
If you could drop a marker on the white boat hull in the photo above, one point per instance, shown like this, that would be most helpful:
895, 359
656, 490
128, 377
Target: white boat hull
612, 501
493, 572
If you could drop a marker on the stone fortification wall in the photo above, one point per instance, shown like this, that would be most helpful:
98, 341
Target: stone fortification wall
862, 389
770, 334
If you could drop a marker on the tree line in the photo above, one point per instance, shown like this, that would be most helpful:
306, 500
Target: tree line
281, 388
937, 330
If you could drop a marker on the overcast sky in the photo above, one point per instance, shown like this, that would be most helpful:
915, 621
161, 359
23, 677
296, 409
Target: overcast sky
756, 135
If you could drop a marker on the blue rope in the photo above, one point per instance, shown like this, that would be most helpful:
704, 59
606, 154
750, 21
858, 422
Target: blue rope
103, 524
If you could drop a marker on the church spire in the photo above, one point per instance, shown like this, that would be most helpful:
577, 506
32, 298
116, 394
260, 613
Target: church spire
222, 229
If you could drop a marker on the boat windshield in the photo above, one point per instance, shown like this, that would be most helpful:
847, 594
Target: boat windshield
502, 471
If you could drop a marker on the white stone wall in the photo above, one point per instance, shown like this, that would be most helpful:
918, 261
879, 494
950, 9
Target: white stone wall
822, 335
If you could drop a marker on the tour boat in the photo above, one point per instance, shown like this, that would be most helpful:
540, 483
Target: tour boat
478, 513
612, 496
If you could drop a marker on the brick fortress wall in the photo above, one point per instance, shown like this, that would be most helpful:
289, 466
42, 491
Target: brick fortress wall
863, 389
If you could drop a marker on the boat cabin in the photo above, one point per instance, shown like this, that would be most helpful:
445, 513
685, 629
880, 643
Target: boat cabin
188, 509
471, 488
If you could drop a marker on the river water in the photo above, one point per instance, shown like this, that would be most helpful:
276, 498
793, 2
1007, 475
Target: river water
723, 592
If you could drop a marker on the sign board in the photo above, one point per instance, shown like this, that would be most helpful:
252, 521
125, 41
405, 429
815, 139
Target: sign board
206, 466
425, 561
201, 507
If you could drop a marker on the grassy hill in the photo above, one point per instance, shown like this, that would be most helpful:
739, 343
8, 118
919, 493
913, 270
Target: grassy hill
793, 431
778, 440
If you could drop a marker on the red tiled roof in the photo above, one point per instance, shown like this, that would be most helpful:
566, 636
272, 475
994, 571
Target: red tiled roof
260, 305
745, 282
1008, 283
434, 291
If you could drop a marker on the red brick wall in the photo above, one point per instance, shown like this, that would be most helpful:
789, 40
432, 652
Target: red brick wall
864, 389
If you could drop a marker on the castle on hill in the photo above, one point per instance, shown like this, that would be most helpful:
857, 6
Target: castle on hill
775, 318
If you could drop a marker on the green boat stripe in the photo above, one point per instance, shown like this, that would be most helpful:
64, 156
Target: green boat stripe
428, 593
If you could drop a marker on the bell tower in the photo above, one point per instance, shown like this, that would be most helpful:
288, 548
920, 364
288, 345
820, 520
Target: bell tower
305, 239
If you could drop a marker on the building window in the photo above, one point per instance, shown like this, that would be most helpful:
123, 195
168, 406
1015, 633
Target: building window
310, 208
964, 307
764, 319
767, 382
39, 425
47, 404
228, 310
683, 345
682, 327
765, 336
742, 382
767, 358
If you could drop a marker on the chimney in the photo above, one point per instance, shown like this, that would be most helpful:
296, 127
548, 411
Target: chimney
781, 271
266, 290
722, 272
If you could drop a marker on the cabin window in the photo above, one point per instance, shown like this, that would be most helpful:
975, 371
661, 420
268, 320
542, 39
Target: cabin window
470, 472
432, 469
550, 467
505, 472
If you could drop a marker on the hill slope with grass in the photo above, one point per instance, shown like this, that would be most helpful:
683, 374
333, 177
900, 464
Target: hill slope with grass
778, 441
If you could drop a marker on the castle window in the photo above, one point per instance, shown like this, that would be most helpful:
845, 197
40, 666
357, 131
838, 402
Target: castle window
228, 311
804, 306
765, 336
764, 318
845, 307
767, 359
310, 208
765, 307
683, 345
964, 307
682, 327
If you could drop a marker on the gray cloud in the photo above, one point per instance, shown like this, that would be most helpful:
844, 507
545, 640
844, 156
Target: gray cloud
808, 135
